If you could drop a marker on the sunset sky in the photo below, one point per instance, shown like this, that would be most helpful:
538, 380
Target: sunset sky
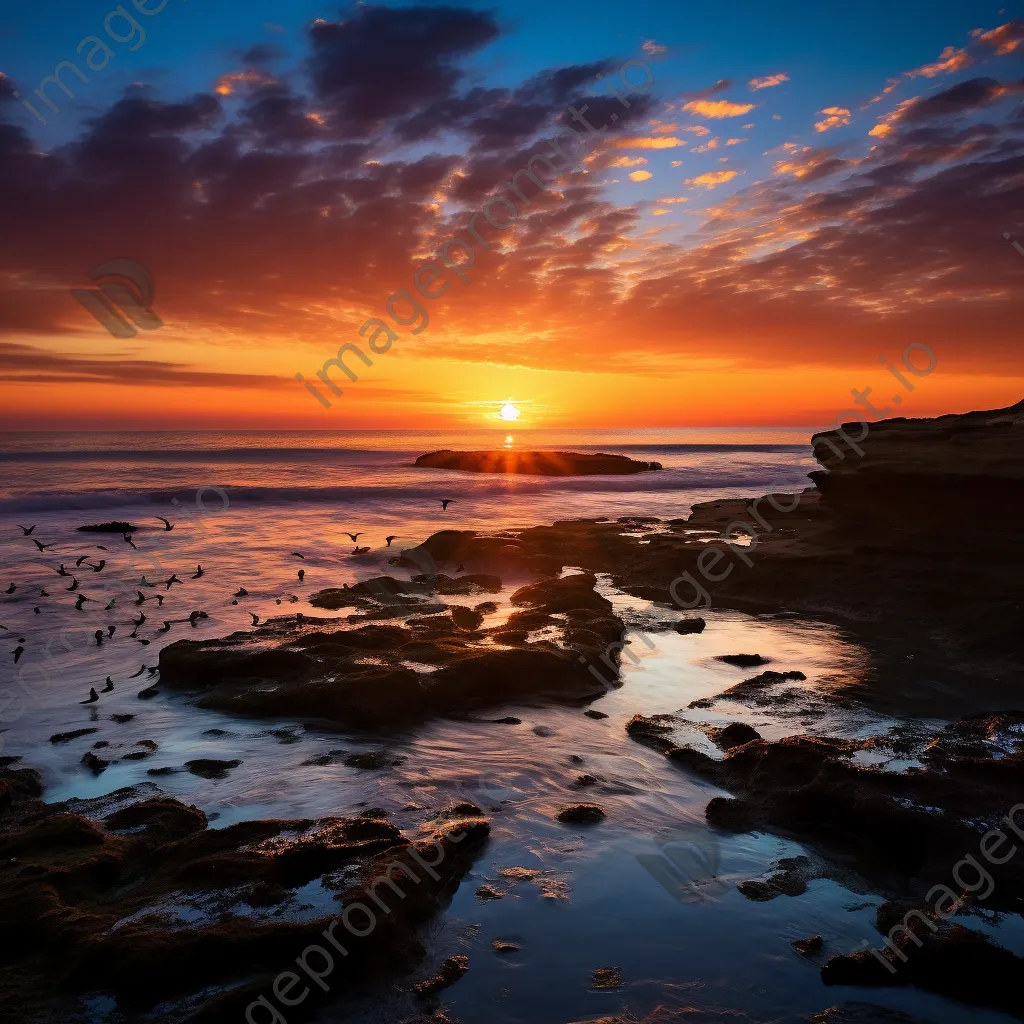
796, 191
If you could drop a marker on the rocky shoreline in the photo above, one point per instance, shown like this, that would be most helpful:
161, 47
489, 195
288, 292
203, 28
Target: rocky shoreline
898, 544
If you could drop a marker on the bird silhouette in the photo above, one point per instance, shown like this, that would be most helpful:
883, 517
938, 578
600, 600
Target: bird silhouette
174, 579
111, 630
109, 686
62, 571
18, 652
198, 572
40, 545
195, 616
38, 611
461, 568
255, 619
302, 575
355, 536
74, 584
167, 524
97, 568
145, 583
299, 554
81, 600
92, 698
166, 628
360, 551
11, 589
390, 539
241, 592
113, 602
43, 593
27, 530
141, 599
140, 620
160, 599
99, 637
445, 502
128, 540
135, 675
78, 564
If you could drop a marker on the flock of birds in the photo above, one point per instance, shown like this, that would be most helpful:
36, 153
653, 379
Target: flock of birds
102, 636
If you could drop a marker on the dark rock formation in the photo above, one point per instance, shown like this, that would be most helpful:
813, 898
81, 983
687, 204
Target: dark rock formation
536, 463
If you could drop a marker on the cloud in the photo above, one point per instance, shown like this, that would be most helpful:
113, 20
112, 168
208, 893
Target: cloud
735, 142
700, 94
807, 164
889, 86
628, 161
836, 117
640, 175
675, 199
652, 49
718, 108
711, 179
768, 82
1004, 39
697, 129
958, 100
640, 142
709, 145
950, 60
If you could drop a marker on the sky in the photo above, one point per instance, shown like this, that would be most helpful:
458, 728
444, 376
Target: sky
747, 211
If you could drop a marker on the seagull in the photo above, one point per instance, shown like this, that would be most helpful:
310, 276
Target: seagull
172, 580
198, 572
128, 540
62, 571
74, 585
99, 637
97, 568
196, 616
134, 675
93, 696
18, 652
391, 538
27, 530
299, 554
141, 598
110, 630
241, 592
37, 611
255, 619
445, 502
461, 568
78, 564
140, 620
360, 551
166, 627
302, 575
167, 525
160, 599
81, 600
109, 686
145, 643
145, 583
355, 536
11, 589
40, 545
113, 601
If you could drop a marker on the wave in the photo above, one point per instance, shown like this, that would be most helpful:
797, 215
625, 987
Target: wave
460, 487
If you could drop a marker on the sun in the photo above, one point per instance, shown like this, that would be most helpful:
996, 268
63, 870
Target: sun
508, 412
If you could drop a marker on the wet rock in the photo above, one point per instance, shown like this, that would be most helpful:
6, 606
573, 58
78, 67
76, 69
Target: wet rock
100, 744
121, 719
582, 781
743, 660
754, 690
373, 760
166, 770
863, 1013
596, 715
117, 526
607, 978
149, 691
580, 814
95, 764
460, 810
163, 819
466, 618
652, 732
734, 815
535, 463
576, 759
544, 730
488, 892
66, 737
808, 947
451, 970
757, 890
210, 767
735, 734
263, 894
504, 946
694, 625
509, 720
563, 594
487, 607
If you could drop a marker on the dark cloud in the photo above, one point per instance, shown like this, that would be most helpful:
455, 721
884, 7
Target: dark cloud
963, 98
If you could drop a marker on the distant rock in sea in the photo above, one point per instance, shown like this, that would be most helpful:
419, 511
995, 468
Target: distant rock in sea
537, 463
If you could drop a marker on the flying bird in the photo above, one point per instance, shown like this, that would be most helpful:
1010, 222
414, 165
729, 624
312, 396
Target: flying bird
160, 599
391, 538
145, 583
109, 686
140, 620
135, 675
198, 572
167, 525
299, 554
78, 564
241, 592
97, 568
355, 536
74, 584
255, 618
99, 637
27, 530
18, 652
174, 579
141, 598
113, 602
37, 611
62, 571
81, 600
128, 540
302, 575
166, 627
110, 630
11, 589
92, 698
40, 545
445, 502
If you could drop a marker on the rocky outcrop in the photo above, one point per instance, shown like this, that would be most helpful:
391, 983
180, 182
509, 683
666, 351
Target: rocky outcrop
536, 463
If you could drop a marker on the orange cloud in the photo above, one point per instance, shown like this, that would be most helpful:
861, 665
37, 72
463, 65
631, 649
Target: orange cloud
1004, 39
659, 213
710, 144
711, 179
697, 129
652, 49
675, 199
767, 82
718, 108
951, 59
640, 175
735, 142
226, 84
628, 161
640, 142
886, 126
677, 163
837, 117
889, 86
663, 127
